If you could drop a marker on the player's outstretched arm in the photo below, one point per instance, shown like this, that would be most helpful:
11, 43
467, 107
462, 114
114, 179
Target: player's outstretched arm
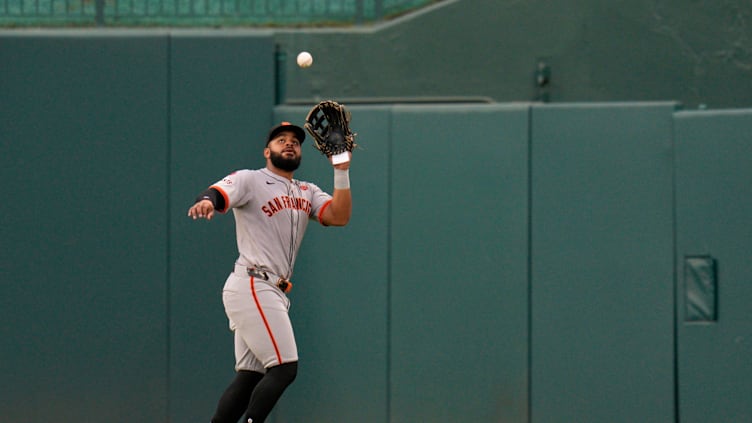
202, 209
339, 211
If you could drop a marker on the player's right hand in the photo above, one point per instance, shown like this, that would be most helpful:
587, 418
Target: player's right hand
204, 209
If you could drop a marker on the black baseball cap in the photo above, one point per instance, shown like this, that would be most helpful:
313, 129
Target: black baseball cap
286, 126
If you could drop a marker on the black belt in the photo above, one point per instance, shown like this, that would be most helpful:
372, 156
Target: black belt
282, 283
257, 273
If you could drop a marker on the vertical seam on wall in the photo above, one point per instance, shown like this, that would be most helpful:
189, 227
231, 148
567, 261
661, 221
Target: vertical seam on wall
530, 264
168, 275
389, 172
672, 146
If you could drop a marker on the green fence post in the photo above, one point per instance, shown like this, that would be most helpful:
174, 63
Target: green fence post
99, 6
359, 18
279, 74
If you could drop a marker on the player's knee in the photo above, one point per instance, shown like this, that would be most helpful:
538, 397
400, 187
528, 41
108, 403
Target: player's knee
284, 373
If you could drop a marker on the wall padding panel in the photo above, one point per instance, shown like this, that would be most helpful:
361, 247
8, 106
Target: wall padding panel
601, 259
82, 298
458, 263
713, 209
222, 96
339, 304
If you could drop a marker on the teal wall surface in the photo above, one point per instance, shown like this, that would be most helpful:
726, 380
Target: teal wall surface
111, 297
714, 220
602, 263
222, 92
505, 262
84, 246
340, 307
388, 329
458, 341
698, 53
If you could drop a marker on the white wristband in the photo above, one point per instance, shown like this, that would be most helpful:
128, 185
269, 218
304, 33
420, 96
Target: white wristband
341, 179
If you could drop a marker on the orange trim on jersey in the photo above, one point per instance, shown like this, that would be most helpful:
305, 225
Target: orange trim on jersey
266, 323
224, 194
321, 212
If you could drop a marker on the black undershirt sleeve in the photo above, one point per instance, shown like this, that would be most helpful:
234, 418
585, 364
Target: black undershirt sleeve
217, 199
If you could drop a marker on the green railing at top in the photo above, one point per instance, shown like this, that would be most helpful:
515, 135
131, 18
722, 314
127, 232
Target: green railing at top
198, 13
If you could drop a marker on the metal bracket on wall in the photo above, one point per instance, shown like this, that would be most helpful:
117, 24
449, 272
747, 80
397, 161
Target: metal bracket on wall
542, 81
700, 289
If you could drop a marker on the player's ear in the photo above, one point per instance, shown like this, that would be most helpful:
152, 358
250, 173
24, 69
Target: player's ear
267, 152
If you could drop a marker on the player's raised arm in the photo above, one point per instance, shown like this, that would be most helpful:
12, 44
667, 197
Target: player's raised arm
339, 211
328, 122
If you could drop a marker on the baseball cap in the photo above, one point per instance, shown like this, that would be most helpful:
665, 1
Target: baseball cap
286, 126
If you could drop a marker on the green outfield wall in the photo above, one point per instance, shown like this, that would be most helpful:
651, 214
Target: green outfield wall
697, 53
506, 262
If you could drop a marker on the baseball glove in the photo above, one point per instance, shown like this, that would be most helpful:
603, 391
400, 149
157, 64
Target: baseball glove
329, 124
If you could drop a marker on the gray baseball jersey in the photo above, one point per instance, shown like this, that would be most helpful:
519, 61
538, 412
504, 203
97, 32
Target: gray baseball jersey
271, 216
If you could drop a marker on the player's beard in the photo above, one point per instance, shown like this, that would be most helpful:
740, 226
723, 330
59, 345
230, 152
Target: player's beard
280, 162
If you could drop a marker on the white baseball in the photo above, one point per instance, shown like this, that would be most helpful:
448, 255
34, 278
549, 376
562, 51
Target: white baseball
305, 59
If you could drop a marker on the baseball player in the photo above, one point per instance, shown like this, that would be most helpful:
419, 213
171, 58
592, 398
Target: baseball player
271, 212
